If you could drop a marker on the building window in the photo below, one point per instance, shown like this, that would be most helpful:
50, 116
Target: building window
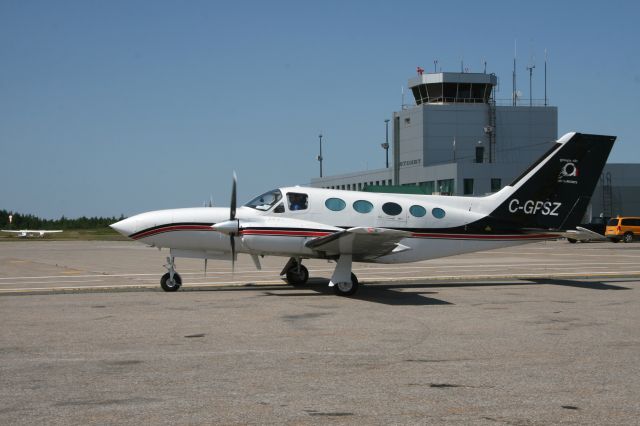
479, 154
392, 209
335, 204
445, 187
496, 184
427, 187
377, 182
468, 186
362, 206
389, 182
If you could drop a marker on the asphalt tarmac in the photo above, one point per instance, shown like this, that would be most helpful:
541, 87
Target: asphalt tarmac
546, 333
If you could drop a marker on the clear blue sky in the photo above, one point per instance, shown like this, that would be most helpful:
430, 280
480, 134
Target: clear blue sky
118, 107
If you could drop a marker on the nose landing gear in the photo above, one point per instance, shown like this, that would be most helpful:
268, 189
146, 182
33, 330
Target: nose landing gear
171, 281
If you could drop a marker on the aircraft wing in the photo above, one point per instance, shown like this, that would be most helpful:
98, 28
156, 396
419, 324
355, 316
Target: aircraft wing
361, 242
11, 231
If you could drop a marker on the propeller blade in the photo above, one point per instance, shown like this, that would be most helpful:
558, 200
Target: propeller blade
232, 214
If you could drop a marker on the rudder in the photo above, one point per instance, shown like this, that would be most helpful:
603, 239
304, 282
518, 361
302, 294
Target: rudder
556, 190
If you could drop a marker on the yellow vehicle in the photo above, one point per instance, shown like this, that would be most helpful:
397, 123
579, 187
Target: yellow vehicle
622, 228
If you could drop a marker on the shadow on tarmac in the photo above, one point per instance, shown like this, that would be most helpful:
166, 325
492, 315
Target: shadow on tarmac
376, 293
591, 285
387, 294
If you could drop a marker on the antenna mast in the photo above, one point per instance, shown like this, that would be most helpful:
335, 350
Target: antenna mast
545, 77
514, 94
530, 68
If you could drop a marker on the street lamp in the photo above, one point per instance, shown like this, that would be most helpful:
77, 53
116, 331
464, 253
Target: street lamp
385, 145
320, 155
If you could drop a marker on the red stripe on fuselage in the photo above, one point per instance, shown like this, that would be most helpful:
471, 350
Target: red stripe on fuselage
279, 233
303, 233
483, 237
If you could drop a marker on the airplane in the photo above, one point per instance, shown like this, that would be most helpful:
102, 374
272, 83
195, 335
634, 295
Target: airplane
28, 233
299, 223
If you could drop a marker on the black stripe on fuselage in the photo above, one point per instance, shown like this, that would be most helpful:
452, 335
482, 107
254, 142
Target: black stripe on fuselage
169, 225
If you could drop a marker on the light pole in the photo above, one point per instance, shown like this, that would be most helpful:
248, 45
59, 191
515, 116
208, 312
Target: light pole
320, 156
385, 145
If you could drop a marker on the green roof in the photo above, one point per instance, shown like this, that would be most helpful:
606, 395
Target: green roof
396, 189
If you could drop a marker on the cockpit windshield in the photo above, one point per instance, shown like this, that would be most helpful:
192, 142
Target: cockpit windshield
265, 201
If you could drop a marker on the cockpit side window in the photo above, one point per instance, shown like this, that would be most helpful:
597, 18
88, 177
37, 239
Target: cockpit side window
265, 201
297, 201
279, 208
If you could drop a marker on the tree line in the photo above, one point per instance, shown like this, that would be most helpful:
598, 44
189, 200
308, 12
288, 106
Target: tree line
29, 221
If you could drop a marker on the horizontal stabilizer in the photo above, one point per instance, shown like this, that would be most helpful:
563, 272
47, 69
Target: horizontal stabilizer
582, 234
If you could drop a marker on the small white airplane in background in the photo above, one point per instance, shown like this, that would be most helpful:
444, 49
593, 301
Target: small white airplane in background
346, 226
29, 233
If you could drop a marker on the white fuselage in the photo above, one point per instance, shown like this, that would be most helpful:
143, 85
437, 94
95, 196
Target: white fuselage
278, 230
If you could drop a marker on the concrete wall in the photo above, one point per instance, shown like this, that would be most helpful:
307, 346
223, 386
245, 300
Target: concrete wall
625, 181
524, 133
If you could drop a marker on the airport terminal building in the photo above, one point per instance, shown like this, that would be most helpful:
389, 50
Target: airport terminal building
457, 140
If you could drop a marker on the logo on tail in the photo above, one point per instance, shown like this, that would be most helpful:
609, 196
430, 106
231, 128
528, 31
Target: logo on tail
568, 170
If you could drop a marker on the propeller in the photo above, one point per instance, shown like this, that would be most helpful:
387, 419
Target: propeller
232, 217
231, 227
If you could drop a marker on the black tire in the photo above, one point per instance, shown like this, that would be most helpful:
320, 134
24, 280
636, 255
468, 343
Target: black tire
297, 279
344, 289
628, 237
572, 241
167, 285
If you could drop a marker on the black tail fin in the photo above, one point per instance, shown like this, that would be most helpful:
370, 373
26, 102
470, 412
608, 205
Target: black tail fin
555, 191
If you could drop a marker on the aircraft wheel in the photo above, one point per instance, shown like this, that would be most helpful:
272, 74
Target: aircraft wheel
572, 241
297, 278
628, 237
168, 285
347, 289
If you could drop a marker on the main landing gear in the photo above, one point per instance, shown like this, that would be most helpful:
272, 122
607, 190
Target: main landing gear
171, 281
297, 274
343, 281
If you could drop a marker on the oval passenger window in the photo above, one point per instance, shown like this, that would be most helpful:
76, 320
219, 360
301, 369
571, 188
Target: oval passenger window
335, 204
438, 213
417, 211
362, 206
392, 209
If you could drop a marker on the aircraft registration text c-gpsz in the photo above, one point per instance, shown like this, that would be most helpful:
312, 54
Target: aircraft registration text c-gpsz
546, 208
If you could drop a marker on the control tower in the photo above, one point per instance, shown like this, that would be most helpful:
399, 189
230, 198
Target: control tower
451, 87
457, 138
